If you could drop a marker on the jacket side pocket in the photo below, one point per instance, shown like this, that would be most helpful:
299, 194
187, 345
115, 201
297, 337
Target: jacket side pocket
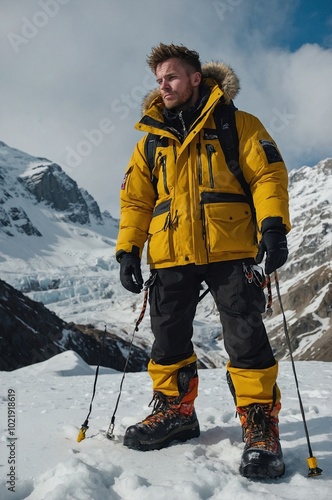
159, 238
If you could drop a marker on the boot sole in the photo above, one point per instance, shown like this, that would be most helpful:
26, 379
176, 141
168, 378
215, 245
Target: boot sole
182, 434
260, 471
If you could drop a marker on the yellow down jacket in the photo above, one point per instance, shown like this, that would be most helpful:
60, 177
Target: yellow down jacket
179, 222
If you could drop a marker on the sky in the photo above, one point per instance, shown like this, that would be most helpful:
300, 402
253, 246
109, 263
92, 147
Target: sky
74, 75
42, 460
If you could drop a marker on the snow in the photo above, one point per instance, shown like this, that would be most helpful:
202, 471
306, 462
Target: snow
52, 399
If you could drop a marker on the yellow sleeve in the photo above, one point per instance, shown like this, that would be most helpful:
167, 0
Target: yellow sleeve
137, 201
264, 169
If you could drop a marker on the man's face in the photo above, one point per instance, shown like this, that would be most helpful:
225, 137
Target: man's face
178, 85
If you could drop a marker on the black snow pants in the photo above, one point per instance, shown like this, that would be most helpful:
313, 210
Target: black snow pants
240, 301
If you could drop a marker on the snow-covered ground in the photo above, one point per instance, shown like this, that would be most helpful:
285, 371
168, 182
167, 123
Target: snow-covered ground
50, 401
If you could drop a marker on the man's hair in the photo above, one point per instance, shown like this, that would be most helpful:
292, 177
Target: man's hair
161, 53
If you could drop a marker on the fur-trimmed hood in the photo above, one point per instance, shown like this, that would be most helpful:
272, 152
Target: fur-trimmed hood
220, 72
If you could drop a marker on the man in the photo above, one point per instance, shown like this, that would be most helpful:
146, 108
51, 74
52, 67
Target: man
199, 227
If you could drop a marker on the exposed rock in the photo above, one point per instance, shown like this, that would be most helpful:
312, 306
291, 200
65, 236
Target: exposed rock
30, 333
22, 222
50, 184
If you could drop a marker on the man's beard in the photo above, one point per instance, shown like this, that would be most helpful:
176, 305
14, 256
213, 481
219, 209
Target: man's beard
185, 104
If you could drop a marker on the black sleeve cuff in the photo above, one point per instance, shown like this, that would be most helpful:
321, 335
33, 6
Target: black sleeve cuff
273, 223
120, 253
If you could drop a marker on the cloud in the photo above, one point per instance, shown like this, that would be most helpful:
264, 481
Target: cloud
305, 91
289, 91
76, 83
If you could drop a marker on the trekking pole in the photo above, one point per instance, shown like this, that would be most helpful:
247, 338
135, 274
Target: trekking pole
311, 460
147, 284
85, 425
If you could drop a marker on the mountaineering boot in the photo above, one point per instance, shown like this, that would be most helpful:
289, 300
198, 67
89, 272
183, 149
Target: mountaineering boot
262, 456
169, 421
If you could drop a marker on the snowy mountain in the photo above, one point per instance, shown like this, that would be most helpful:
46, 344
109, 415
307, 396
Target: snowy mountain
58, 248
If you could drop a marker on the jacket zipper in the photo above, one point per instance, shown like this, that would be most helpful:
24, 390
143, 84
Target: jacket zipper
163, 166
203, 221
199, 163
210, 150
175, 153
184, 129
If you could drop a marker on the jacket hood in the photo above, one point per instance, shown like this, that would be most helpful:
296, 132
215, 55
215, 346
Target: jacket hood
221, 73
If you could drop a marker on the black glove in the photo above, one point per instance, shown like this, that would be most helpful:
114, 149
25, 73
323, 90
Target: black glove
274, 244
130, 273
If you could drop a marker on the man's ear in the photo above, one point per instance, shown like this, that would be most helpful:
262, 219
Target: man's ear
196, 79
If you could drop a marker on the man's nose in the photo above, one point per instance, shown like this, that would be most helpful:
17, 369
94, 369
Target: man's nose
164, 84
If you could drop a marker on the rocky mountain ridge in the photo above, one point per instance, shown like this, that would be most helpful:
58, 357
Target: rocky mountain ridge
39, 180
30, 333
306, 277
